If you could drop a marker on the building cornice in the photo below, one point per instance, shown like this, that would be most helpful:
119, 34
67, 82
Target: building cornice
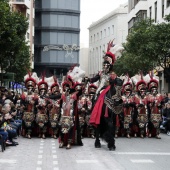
119, 11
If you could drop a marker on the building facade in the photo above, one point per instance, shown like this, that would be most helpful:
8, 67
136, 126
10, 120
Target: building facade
57, 32
154, 9
26, 7
111, 27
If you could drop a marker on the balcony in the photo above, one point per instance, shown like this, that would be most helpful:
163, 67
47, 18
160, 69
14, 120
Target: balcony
22, 4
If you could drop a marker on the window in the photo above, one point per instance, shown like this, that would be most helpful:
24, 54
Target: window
100, 34
113, 29
108, 31
91, 39
150, 12
97, 36
155, 11
168, 3
104, 32
162, 8
94, 38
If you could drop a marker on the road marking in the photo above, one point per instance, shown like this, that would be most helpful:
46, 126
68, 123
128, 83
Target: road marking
40, 151
39, 156
55, 162
38, 168
56, 169
142, 161
53, 147
54, 156
41, 147
142, 153
42, 141
87, 161
41, 144
39, 162
53, 151
10, 161
53, 143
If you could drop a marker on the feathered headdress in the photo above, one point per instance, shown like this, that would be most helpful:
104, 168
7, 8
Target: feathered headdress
92, 88
139, 82
151, 80
113, 52
31, 79
127, 83
42, 84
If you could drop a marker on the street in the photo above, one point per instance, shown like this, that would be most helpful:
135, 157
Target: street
130, 154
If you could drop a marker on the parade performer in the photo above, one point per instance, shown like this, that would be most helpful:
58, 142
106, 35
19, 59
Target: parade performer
128, 104
42, 117
28, 104
54, 106
155, 102
82, 107
141, 103
109, 101
90, 104
70, 127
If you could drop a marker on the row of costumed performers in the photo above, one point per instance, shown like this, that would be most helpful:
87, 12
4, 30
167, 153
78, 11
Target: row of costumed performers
105, 106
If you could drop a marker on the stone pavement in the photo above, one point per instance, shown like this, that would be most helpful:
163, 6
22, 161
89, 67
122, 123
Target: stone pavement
130, 154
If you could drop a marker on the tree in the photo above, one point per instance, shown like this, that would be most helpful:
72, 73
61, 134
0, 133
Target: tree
14, 50
147, 46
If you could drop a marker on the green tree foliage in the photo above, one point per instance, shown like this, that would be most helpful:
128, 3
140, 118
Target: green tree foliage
147, 46
14, 51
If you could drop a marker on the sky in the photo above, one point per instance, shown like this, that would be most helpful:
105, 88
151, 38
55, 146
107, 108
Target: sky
91, 11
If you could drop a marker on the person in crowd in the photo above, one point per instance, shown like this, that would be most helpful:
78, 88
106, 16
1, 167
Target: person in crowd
12, 133
166, 114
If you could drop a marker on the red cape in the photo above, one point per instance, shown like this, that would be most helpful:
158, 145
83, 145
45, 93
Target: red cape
97, 110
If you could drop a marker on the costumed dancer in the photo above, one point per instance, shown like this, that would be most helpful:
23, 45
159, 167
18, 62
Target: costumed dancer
128, 104
42, 117
141, 104
82, 107
54, 106
28, 103
108, 106
155, 102
90, 104
70, 127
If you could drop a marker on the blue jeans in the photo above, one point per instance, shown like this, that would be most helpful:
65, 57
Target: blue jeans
12, 134
4, 134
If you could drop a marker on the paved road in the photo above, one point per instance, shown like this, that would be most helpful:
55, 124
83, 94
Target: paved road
130, 154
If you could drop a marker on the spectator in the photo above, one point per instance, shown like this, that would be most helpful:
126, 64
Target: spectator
166, 114
166, 97
12, 132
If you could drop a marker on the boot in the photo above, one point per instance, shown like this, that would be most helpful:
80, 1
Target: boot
55, 137
28, 136
68, 146
158, 137
61, 144
142, 136
43, 136
128, 136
